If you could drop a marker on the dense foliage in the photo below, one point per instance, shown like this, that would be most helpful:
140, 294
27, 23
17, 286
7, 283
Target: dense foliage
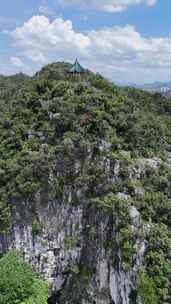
51, 115
18, 283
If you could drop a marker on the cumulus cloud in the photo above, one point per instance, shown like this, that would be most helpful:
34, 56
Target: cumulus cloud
120, 53
39, 38
111, 6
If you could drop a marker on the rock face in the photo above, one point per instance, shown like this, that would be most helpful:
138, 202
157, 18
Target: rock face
72, 242
75, 246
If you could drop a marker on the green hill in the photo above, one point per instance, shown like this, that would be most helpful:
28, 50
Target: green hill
50, 118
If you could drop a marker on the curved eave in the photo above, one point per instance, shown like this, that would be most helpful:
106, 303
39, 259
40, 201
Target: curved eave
76, 72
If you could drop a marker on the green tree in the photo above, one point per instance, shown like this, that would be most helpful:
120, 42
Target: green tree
18, 283
146, 289
40, 292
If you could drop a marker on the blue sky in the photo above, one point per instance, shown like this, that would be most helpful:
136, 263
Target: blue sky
126, 40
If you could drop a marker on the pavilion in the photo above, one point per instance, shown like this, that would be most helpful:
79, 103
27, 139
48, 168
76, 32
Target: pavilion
76, 70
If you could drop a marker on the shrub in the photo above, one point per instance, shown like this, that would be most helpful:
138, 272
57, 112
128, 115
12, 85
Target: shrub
40, 293
146, 289
18, 283
36, 227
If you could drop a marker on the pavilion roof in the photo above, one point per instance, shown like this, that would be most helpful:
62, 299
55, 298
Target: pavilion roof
76, 68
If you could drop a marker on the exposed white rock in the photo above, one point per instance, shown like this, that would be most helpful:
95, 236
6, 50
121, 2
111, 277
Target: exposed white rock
47, 252
50, 257
103, 273
116, 168
153, 163
104, 145
123, 196
139, 192
120, 286
135, 216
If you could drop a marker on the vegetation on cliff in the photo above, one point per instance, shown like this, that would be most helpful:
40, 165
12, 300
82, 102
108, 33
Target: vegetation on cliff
18, 283
50, 117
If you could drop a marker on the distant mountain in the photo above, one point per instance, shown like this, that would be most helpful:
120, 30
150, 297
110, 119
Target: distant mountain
163, 88
12, 85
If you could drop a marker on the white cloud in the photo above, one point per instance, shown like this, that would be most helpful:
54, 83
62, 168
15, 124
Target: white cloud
120, 53
45, 9
16, 65
17, 62
111, 6
40, 39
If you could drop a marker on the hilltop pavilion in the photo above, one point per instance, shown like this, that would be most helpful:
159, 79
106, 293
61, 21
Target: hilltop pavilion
76, 69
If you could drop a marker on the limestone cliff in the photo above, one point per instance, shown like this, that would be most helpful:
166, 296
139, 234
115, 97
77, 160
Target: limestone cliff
76, 246
85, 186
